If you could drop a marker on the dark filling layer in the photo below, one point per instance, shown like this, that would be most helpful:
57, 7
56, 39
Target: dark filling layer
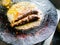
25, 21
25, 15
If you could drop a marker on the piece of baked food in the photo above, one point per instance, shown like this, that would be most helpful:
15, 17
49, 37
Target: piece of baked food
24, 15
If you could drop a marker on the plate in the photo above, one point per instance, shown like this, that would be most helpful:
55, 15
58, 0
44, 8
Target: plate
48, 26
